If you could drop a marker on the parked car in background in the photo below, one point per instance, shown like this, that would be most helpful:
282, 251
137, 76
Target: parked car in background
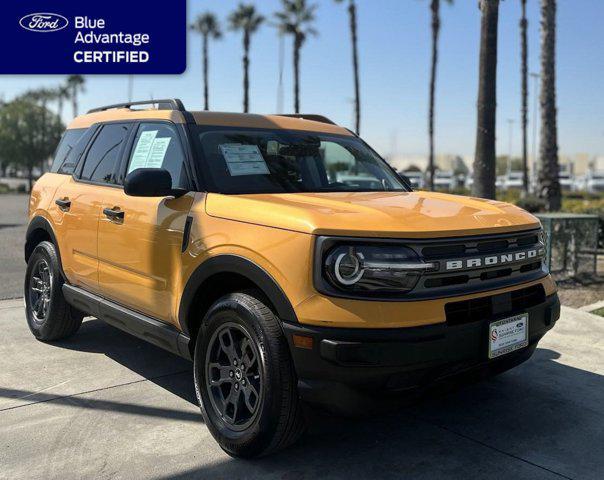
593, 182
567, 181
444, 180
358, 181
512, 180
416, 178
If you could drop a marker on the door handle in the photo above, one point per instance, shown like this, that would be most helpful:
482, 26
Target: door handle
63, 204
114, 213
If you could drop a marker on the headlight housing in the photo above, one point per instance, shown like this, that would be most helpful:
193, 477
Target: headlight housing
375, 269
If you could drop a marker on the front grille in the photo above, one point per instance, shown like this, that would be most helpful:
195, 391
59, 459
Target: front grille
443, 280
460, 247
477, 309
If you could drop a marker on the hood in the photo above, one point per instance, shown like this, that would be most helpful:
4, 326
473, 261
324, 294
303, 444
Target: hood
373, 214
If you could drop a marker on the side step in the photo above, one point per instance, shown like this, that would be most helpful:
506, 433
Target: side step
146, 328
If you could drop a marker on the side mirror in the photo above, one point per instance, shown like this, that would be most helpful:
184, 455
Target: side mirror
150, 182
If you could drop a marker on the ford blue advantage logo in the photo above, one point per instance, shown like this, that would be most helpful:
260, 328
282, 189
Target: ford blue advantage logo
43, 22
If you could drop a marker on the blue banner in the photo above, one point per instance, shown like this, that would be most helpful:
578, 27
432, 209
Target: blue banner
93, 37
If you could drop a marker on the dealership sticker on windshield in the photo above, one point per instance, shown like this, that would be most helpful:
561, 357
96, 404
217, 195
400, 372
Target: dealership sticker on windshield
508, 335
244, 159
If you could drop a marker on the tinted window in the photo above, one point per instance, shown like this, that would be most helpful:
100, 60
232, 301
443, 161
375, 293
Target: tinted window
157, 145
66, 145
103, 155
73, 157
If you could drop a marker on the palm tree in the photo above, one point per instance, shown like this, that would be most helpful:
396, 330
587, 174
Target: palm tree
524, 82
352, 16
246, 19
295, 19
207, 26
435, 9
484, 160
549, 184
61, 93
75, 86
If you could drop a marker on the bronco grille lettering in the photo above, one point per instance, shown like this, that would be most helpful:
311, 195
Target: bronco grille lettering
492, 260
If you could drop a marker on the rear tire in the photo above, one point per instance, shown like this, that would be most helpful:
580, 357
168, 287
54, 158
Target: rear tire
49, 316
251, 410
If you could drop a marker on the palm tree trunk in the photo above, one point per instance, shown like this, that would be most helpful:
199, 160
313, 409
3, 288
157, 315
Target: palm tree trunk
484, 160
524, 110
30, 176
74, 100
549, 185
206, 104
352, 10
60, 107
434, 7
246, 67
297, 46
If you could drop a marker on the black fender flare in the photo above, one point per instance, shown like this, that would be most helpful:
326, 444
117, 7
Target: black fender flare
40, 223
240, 266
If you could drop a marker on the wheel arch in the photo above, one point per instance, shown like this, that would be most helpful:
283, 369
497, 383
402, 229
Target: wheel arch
225, 274
39, 230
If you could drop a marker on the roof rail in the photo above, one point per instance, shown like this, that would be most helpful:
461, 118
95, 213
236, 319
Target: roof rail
308, 116
164, 104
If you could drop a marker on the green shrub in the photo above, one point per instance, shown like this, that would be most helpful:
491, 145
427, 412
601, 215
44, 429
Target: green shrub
531, 204
594, 207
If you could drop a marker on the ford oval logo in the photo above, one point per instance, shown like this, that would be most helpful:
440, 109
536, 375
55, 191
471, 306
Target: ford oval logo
43, 22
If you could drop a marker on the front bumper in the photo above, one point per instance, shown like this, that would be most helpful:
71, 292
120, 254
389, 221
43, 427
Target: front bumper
345, 363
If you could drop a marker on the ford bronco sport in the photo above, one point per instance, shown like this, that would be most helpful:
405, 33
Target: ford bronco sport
283, 256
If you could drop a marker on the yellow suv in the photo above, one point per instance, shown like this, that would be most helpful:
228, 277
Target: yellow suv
283, 256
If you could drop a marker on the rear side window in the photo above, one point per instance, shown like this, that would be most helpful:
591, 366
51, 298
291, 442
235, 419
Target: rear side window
104, 153
73, 157
68, 141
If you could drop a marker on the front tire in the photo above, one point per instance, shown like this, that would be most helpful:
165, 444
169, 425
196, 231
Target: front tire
49, 316
244, 378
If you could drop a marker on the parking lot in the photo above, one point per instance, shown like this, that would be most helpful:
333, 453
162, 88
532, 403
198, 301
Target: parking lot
106, 405
13, 220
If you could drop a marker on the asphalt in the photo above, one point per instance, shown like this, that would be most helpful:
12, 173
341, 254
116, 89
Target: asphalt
13, 224
106, 405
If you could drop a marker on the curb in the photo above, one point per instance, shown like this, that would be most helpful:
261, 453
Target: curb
592, 307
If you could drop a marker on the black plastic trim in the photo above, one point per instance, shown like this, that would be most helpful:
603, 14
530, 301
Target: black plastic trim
146, 328
40, 223
163, 104
241, 266
186, 233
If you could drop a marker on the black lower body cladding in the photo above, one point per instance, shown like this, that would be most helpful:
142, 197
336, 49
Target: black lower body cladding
346, 364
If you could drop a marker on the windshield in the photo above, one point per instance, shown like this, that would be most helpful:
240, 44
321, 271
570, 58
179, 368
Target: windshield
280, 161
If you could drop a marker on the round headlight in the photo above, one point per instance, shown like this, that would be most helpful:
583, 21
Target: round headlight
348, 267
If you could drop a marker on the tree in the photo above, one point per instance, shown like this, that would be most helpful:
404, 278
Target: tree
61, 93
484, 159
549, 184
296, 19
75, 86
435, 9
42, 96
208, 27
29, 134
352, 17
246, 19
524, 86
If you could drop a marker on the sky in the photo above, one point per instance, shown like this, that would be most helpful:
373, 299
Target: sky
394, 54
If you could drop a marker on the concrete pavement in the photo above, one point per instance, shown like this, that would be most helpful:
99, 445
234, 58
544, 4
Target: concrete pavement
106, 405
